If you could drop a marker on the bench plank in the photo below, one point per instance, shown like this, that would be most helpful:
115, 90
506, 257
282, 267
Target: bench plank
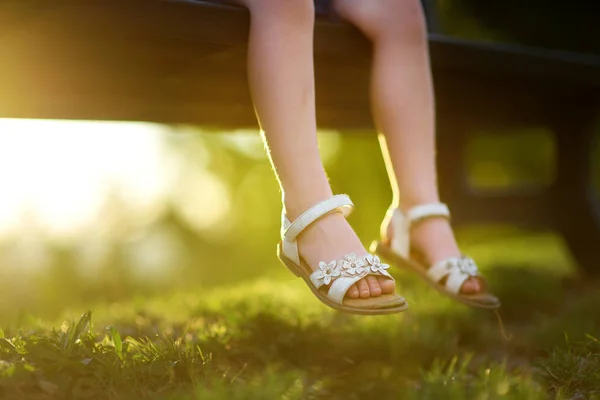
183, 61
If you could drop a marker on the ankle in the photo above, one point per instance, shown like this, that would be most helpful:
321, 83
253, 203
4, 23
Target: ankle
298, 201
329, 238
434, 240
410, 202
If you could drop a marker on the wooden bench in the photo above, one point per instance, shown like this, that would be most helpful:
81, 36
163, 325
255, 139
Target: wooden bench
183, 61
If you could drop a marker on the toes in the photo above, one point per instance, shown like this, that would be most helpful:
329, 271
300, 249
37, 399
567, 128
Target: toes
353, 292
471, 286
374, 288
363, 288
387, 285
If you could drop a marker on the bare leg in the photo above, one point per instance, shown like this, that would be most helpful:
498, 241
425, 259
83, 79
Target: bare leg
280, 68
403, 108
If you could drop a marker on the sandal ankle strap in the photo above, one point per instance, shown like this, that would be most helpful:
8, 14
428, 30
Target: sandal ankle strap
430, 210
401, 223
291, 230
340, 202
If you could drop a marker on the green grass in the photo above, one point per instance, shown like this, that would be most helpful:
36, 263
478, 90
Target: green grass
247, 342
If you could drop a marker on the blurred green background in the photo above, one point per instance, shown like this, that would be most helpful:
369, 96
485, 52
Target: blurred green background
105, 211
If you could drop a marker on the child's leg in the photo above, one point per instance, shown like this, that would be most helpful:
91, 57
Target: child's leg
403, 108
280, 68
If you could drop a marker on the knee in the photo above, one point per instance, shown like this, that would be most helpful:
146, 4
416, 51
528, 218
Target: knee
290, 11
402, 19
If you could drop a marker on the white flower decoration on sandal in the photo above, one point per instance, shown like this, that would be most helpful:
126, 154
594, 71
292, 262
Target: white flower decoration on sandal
376, 265
350, 266
328, 271
353, 266
466, 265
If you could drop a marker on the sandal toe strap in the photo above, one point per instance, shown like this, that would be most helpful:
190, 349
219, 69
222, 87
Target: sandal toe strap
456, 269
340, 286
342, 274
455, 281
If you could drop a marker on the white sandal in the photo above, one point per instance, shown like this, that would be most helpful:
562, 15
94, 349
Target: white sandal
333, 279
454, 270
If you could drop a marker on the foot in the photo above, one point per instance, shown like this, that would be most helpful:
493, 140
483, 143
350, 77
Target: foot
331, 237
433, 240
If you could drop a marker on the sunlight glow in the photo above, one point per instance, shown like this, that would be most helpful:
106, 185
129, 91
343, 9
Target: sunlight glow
56, 175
